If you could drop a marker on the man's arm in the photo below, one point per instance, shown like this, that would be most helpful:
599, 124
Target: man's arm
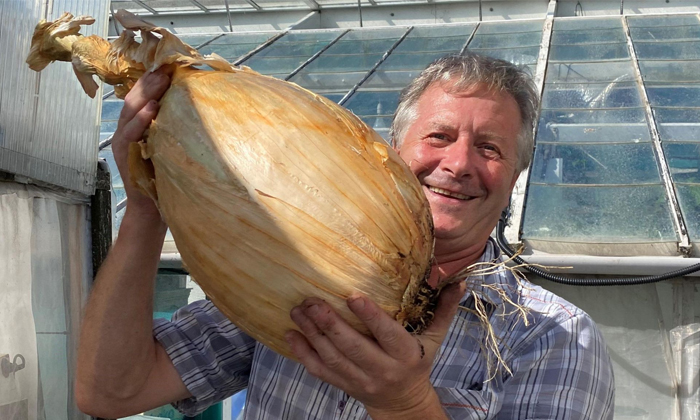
121, 369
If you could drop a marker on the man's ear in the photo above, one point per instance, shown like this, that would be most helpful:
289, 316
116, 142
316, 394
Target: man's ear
515, 179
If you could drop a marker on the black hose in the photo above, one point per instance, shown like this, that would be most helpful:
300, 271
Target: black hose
582, 281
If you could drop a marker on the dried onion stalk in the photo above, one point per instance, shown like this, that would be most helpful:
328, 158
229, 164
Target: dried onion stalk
272, 193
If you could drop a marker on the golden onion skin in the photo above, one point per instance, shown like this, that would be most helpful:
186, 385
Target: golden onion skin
274, 194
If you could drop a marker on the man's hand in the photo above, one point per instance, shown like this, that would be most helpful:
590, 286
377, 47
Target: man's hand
389, 374
140, 108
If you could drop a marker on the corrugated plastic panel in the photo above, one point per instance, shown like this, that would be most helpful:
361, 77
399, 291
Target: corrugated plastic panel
48, 126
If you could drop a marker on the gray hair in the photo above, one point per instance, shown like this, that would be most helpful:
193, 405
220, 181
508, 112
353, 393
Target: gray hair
463, 72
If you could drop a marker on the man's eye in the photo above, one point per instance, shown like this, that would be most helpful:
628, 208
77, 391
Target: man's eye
438, 136
491, 149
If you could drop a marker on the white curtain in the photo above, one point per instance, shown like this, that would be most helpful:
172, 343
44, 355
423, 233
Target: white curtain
45, 269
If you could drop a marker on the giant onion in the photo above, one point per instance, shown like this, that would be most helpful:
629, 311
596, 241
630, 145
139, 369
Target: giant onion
272, 193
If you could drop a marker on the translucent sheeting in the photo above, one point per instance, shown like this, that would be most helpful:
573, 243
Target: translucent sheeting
616, 71
45, 260
47, 126
653, 337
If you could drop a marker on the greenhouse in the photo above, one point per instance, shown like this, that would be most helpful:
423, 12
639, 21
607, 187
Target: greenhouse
610, 200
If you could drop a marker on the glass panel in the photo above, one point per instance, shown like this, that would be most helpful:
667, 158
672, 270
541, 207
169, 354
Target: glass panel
444, 44
577, 24
664, 34
309, 36
618, 71
403, 61
674, 20
591, 95
195, 40
108, 127
594, 164
328, 81
343, 63
360, 47
668, 50
507, 27
674, 115
229, 51
333, 96
588, 36
670, 95
365, 103
563, 132
598, 214
680, 131
670, 71
442, 31
622, 116
292, 49
689, 198
111, 109
390, 79
684, 162
274, 65
244, 38
516, 56
375, 34
524, 39
589, 52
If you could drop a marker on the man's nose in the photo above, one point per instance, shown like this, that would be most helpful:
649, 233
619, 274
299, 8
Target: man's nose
458, 159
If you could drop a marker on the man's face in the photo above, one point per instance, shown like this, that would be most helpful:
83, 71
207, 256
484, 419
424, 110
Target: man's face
463, 149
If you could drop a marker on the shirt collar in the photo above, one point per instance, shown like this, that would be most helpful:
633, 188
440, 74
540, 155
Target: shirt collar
502, 276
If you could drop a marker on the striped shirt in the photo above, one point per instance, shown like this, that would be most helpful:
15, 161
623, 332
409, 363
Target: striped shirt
559, 363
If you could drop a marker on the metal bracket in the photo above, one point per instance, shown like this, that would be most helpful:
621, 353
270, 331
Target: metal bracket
8, 367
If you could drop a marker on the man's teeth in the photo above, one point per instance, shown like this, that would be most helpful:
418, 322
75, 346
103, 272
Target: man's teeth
449, 193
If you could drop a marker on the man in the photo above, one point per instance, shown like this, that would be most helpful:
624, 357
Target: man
464, 127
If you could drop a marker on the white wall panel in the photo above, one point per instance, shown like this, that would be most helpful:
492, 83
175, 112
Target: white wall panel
49, 127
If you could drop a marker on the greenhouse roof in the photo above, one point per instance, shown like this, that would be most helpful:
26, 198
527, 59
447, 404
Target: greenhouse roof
616, 168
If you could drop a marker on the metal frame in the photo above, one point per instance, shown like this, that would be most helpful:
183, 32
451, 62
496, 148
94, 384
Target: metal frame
315, 56
684, 246
147, 7
198, 4
514, 229
469, 39
374, 68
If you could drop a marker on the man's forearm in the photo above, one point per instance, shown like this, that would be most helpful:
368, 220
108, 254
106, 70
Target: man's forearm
116, 343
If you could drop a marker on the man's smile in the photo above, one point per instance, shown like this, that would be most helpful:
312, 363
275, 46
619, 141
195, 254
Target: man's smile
448, 193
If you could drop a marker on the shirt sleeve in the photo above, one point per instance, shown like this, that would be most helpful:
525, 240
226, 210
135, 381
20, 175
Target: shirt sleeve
565, 374
212, 356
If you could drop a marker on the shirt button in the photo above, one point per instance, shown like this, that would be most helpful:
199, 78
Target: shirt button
341, 405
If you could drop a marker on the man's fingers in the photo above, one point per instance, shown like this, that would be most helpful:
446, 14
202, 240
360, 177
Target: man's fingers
149, 87
390, 335
310, 358
133, 130
329, 353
